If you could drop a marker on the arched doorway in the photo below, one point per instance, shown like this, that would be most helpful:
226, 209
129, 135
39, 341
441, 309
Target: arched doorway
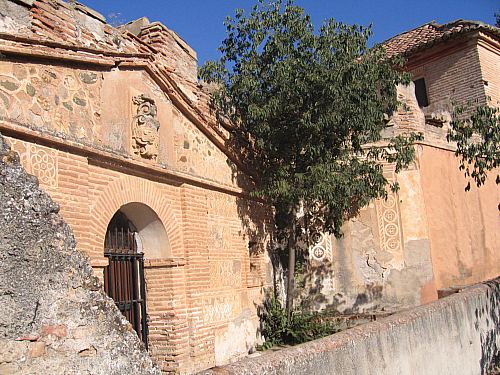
124, 275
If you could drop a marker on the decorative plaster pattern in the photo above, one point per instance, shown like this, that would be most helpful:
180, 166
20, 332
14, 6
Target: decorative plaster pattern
322, 246
221, 308
388, 218
225, 273
38, 161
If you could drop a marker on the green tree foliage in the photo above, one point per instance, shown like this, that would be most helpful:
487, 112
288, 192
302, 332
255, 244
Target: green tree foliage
303, 327
478, 141
312, 102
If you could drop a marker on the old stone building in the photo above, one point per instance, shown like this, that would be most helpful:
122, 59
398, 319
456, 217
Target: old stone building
432, 235
116, 127
117, 130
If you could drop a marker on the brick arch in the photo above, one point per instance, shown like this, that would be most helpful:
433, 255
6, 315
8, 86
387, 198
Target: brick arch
126, 189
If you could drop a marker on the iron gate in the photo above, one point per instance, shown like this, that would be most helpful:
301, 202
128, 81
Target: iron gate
124, 278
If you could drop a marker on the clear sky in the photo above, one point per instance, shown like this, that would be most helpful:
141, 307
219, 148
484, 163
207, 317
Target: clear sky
200, 22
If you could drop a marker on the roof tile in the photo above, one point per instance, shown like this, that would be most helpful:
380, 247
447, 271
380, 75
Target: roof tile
431, 33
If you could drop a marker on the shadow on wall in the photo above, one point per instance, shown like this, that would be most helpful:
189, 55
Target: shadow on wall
314, 280
267, 263
318, 292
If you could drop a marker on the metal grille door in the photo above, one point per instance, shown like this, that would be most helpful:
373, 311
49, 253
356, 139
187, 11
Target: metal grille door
124, 278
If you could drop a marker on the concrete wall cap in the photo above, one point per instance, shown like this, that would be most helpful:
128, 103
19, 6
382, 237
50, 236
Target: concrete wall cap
27, 3
90, 12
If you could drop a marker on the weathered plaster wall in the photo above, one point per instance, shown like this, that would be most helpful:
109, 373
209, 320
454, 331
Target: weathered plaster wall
456, 335
463, 226
383, 261
55, 315
430, 235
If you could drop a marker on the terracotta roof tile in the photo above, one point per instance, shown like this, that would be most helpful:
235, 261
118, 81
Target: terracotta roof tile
431, 33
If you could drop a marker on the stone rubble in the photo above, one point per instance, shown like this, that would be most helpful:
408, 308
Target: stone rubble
55, 315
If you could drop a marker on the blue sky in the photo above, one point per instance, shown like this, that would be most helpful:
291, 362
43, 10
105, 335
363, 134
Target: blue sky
200, 22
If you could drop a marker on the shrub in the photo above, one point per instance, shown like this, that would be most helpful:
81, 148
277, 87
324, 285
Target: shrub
303, 327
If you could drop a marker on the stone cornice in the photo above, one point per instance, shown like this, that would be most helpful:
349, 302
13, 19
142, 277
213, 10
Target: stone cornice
24, 40
441, 50
16, 46
113, 160
489, 43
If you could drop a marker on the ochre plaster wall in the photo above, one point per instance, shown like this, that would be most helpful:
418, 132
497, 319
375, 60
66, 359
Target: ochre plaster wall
464, 227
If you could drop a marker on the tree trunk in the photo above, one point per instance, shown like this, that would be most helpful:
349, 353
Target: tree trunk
291, 268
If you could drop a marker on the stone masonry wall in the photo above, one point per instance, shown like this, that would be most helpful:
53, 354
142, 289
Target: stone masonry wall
61, 100
56, 317
457, 335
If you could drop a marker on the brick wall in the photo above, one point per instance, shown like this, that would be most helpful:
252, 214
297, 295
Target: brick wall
450, 76
489, 55
201, 286
178, 55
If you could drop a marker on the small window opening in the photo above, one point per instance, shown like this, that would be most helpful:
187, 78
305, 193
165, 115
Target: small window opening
421, 92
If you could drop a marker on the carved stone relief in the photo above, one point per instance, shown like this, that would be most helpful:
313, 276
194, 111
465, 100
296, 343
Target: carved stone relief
145, 128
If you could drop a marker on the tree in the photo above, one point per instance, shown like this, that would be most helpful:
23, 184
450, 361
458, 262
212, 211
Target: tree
312, 101
497, 16
478, 141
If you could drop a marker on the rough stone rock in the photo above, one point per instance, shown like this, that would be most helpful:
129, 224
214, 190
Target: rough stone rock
55, 316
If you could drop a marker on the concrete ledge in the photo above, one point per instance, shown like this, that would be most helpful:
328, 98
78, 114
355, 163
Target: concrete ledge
459, 334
